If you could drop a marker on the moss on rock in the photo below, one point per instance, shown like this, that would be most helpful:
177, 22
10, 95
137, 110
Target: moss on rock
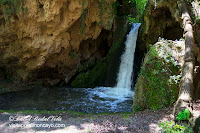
90, 78
158, 82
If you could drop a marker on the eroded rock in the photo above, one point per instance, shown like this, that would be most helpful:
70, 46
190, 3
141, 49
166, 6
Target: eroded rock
52, 38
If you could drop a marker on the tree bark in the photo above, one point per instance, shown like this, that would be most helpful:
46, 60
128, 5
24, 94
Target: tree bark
186, 83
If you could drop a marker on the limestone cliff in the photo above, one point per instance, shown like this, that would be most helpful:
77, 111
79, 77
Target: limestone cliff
50, 39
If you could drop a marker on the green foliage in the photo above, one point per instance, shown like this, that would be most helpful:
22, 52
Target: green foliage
86, 66
105, 7
171, 127
132, 19
115, 6
83, 17
68, 112
141, 4
110, 16
12, 7
71, 54
184, 115
101, 6
197, 125
90, 78
43, 112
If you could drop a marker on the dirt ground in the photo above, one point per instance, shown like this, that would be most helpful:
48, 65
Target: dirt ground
140, 122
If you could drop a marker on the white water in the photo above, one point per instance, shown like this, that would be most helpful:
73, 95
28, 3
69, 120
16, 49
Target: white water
124, 79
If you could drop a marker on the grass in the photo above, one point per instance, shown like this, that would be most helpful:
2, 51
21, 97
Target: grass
70, 112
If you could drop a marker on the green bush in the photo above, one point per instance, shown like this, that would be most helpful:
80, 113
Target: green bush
11, 7
171, 127
141, 4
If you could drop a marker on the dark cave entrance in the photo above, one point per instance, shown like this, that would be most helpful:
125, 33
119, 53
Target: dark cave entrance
173, 29
173, 32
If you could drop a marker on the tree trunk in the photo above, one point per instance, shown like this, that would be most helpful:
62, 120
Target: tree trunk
186, 83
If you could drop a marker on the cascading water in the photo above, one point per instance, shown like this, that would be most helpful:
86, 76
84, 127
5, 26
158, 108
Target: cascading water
124, 79
100, 99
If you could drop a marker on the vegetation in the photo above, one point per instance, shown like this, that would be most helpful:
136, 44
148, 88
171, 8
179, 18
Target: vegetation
90, 78
158, 82
183, 115
95, 76
140, 7
196, 127
171, 127
83, 17
12, 7
43, 112
71, 54
101, 6
106, 8
124, 115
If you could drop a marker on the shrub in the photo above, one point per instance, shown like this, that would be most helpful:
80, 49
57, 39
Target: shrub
184, 115
11, 7
171, 127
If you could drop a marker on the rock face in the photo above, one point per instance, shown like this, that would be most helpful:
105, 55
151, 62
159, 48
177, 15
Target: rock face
158, 82
162, 19
51, 39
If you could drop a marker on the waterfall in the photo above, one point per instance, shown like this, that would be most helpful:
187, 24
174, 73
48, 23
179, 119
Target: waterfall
124, 79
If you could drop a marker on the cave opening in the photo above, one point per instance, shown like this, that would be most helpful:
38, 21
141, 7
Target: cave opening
173, 29
173, 32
